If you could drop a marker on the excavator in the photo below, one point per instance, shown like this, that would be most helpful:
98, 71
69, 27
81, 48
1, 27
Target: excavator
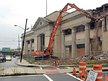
48, 51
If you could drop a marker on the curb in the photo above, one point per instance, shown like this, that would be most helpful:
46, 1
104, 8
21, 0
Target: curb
25, 65
29, 65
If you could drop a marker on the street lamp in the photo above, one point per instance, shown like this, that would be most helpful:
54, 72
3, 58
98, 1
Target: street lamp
23, 39
18, 36
21, 27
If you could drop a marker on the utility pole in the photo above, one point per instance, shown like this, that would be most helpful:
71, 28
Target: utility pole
18, 43
23, 40
46, 7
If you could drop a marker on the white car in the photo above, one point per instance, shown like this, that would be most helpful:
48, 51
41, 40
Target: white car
8, 58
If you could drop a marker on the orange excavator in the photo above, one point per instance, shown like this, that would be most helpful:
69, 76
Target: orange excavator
48, 51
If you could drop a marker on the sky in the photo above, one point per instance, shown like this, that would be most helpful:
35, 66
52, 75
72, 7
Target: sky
15, 12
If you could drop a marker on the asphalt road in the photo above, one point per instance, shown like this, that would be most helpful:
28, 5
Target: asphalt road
47, 77
9, 64
44, 77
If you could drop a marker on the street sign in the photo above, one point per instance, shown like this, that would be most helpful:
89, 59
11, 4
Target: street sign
91, 75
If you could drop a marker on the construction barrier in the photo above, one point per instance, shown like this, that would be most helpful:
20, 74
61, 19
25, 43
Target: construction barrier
82, 70
106, 78
98, 69
74, 72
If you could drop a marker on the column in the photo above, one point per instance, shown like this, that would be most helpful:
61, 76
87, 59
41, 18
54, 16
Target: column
87, 39
35, 43
26, 47
103, 38
38, 42
30, 46
62, 45
74, 50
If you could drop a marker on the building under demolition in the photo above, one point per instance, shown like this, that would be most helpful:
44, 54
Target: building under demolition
74, 37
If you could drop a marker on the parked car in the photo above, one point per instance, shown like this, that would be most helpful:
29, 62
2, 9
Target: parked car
2, 58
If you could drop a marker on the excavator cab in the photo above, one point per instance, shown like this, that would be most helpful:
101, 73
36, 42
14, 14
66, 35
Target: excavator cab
37, 53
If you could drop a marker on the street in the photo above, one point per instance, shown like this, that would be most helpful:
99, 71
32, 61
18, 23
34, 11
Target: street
44, 77
42, 73
8, 66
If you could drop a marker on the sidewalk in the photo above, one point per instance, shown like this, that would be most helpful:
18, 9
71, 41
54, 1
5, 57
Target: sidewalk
44, 68
27, 64
49, 68
31, 68
22, 68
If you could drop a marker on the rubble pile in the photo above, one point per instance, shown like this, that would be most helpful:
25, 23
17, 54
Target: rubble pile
94, 57
74, 61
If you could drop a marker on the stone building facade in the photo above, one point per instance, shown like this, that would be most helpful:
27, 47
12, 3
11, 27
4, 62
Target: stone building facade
74, 37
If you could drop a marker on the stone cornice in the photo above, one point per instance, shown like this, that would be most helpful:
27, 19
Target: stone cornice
72, 18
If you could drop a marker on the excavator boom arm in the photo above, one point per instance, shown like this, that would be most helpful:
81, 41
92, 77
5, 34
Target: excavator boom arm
48, 51
58, 21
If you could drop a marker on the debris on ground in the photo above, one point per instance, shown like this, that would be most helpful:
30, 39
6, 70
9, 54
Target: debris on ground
73, 61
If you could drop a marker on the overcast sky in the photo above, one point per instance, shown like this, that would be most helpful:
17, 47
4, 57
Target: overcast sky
14, 12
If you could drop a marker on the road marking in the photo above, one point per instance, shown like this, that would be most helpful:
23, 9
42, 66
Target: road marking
74, 76
48, 77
